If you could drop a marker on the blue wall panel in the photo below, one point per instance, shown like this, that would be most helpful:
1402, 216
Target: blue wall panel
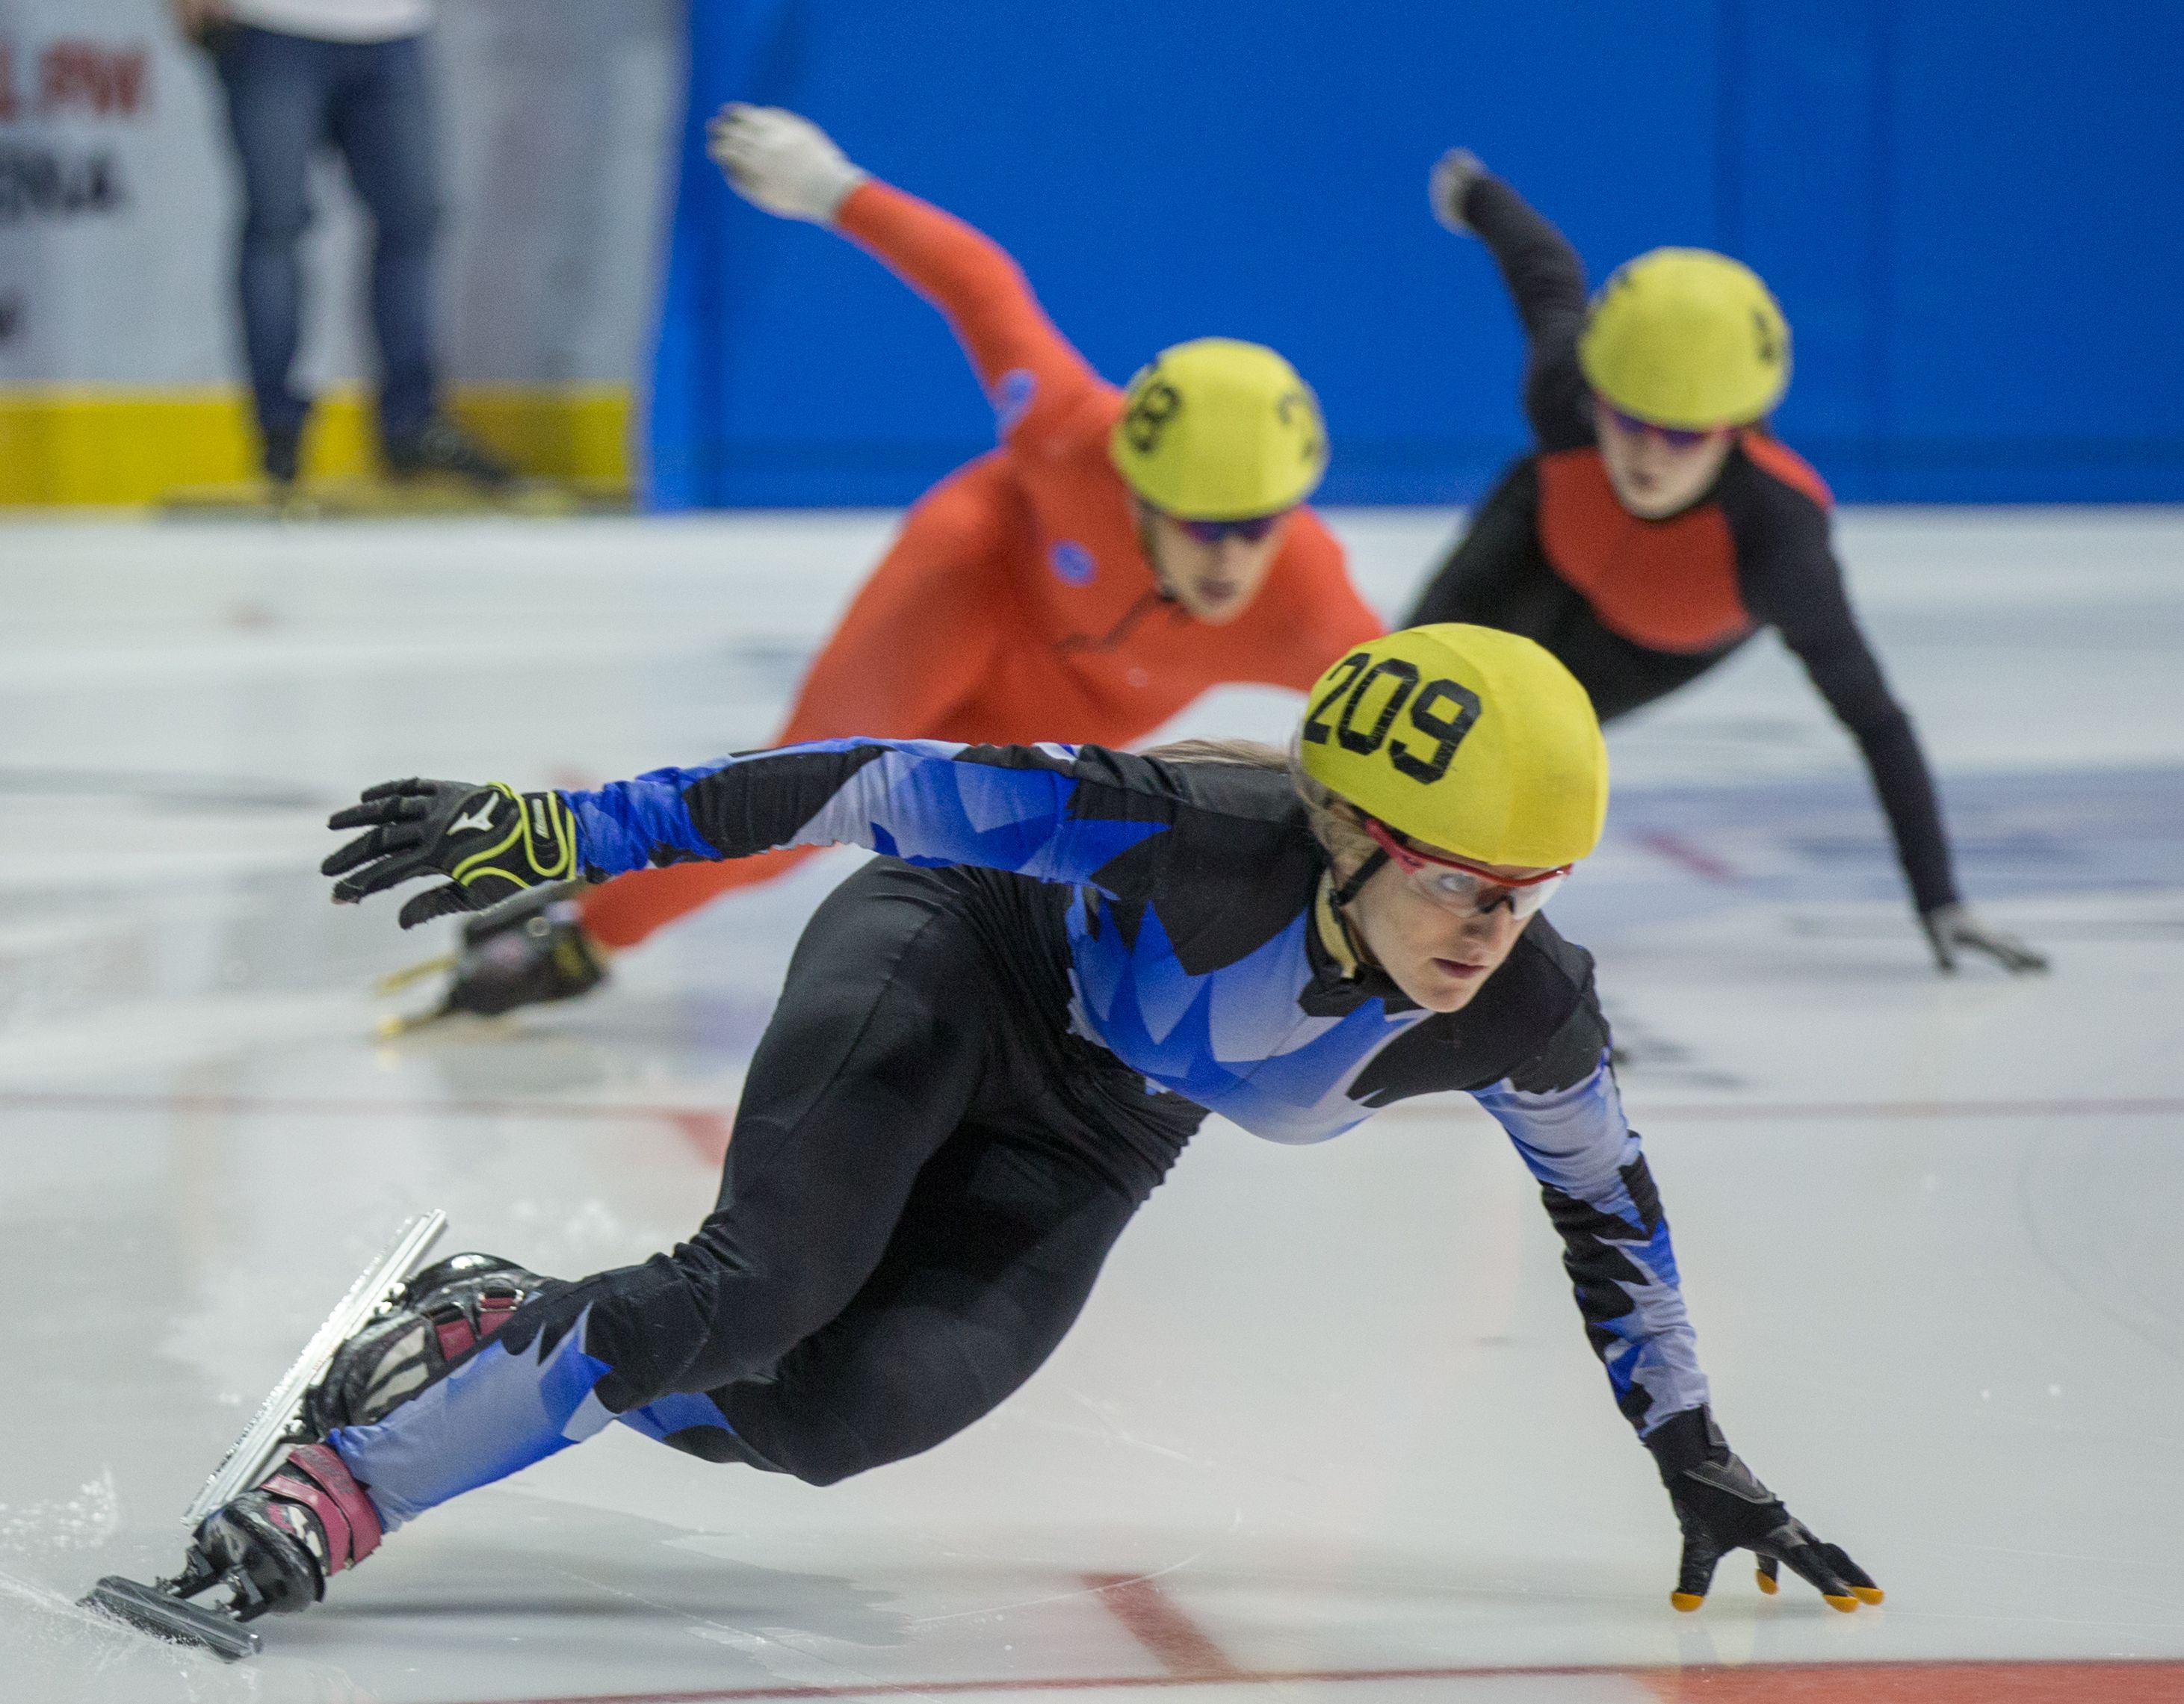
1970, 214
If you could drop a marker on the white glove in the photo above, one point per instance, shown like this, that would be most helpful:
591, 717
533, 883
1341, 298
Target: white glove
1453, 174
782, 163
1955, 929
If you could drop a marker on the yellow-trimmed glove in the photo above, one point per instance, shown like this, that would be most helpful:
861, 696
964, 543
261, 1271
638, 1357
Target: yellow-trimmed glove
1722, 1507
492, 840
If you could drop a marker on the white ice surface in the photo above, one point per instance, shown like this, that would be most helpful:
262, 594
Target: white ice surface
1336, 1400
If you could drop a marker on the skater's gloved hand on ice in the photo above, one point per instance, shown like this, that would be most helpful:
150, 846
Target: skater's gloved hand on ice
1955, 929
780, 161
493, 840
1722, 1507
1453, 174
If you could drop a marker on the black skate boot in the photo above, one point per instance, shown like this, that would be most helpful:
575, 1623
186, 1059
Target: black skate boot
443, 1312
527, 951
276, 1546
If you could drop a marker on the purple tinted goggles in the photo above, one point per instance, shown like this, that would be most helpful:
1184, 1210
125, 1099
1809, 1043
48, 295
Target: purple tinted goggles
1675, 437
1214, 532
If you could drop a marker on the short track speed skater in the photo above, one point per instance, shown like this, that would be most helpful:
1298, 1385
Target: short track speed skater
171, 1608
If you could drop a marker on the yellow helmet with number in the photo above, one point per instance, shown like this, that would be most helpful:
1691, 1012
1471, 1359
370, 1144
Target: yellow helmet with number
1219, 430
1687, 338
1469, 739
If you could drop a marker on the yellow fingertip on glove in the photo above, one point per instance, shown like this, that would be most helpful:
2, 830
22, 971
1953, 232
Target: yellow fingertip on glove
1768, 1583
1684, 1602
1868, 1594
1844, 1604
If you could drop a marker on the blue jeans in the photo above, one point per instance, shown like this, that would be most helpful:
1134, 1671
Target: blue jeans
287, 96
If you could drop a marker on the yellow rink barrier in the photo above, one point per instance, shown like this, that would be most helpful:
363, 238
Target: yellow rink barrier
100, 445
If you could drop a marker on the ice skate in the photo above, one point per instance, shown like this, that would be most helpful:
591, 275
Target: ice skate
443, 1312
277, 1543
275, 1546
251, 1526
526, 952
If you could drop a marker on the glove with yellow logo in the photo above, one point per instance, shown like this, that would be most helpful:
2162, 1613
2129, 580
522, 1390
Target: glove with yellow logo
493, 841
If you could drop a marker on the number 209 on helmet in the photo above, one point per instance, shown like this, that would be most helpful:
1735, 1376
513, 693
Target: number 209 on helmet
1475, 742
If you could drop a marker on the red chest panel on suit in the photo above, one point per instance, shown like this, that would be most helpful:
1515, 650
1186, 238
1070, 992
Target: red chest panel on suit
1668, 585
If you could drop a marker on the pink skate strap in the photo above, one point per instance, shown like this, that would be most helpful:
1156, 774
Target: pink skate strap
322, 1483
455, 1335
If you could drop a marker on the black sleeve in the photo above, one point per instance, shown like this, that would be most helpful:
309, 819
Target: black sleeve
1546, 283
1791, 580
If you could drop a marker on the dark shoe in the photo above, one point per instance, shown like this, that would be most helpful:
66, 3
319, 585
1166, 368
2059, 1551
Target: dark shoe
279, 1543
526, 952
443, 1313
443, 447
279, 454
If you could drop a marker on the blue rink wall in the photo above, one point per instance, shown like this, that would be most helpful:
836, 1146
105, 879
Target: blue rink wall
1971, 212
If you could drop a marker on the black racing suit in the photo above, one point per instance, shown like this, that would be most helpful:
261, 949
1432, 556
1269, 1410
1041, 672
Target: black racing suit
1635, 609
990, 1047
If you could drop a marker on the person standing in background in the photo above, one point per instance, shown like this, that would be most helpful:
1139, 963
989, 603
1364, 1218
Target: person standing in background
352, 74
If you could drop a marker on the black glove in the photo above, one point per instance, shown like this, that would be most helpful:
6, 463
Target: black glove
494, 841
1955, 929
1722, 1507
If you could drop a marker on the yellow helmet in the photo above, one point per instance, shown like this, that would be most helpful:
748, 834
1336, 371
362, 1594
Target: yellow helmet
1688, 338
1217, 430
1472, 740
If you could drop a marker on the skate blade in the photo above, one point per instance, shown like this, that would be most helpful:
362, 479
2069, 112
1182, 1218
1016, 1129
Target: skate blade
395, 981
396, 1024
149, 1610
273, 1426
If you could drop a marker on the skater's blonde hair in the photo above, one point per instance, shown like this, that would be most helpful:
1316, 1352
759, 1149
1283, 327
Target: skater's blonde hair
1333, 821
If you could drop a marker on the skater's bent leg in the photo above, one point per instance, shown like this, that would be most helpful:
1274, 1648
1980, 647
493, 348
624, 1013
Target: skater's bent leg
997, 1251
873, 1057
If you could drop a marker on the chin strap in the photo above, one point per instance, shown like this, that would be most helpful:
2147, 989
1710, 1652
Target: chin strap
1338, 898
1358, 878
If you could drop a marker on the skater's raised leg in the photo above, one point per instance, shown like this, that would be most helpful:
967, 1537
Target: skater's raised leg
910, 1216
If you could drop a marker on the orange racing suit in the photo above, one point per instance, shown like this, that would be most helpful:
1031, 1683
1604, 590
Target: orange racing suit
1016, 604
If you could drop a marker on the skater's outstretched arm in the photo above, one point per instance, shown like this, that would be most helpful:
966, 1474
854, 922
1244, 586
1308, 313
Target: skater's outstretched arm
1564, 1113
1565, 1116
1055, 813
1792, 580
1546, 284
788, 166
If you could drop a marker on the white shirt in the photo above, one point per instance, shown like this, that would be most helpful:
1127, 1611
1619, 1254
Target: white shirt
336, 20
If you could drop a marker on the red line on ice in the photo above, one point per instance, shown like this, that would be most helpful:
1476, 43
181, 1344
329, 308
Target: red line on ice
705, 1129
1679, 852
2122, 1682
1159, 1623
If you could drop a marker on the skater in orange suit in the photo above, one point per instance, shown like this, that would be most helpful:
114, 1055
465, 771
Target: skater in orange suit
1118, 553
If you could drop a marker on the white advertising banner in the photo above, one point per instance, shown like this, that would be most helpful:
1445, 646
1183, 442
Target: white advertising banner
557, 121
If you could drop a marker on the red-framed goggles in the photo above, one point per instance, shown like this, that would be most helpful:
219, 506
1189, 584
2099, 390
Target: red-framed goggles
1456, 884
1676, 437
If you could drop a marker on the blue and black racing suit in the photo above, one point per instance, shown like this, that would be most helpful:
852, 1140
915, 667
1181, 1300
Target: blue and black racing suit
992, 1043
